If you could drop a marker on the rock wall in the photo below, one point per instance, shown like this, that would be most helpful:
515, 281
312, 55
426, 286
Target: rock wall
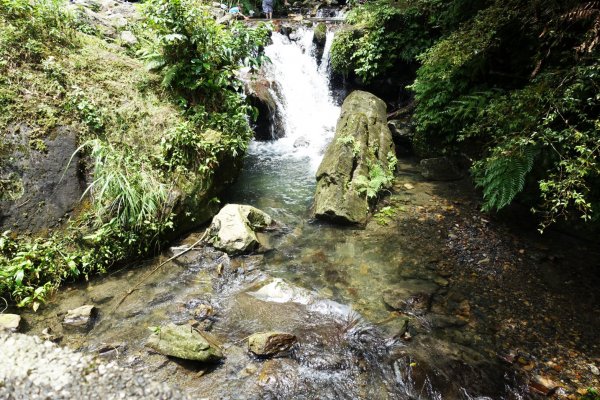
40, 179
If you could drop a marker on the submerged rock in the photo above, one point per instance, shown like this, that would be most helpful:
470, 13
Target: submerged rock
356, 160
9, 322
440, 169
80, 318
183, 341
270, 343
233, 229
413, 297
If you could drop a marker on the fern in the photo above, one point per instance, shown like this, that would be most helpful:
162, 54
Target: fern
502, 176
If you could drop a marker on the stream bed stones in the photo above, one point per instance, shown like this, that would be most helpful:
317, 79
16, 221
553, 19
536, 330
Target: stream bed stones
9, 322
80, 318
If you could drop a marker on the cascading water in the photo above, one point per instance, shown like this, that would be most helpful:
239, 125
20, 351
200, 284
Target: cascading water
279, 174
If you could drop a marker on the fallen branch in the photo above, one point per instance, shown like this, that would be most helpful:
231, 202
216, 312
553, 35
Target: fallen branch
131, 290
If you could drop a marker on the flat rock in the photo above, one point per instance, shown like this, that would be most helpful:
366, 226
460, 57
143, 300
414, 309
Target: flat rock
183, 341
80, 318
9, 322
270, 343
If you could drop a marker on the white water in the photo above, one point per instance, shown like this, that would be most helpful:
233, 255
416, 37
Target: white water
305, 101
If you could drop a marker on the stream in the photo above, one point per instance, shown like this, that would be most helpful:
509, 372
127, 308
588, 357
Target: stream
323, 283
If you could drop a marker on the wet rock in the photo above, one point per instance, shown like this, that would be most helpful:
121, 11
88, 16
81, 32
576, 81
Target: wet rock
319, 39
263, 94
413, 297
361, 146
183, 341
9, 322
543, 385
233, 229
440, 169
301, 142
270, 343
80, 318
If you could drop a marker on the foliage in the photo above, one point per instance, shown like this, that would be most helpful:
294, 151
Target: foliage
379, 178
31, 29
184, 123
591, 394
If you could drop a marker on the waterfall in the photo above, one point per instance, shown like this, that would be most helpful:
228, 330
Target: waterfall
304, 99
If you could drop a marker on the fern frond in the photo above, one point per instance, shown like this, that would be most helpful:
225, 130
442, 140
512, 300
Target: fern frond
502, 176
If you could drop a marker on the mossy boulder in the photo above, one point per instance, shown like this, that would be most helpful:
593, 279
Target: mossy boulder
183, 341
358, 162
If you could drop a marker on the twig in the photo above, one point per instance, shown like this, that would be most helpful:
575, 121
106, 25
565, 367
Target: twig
131, 290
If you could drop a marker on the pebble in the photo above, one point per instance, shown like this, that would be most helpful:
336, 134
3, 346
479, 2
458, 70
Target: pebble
594, 369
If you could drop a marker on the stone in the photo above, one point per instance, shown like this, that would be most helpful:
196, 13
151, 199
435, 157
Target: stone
233, 229
264, 94
412, 297
185, 342
440, 169
80, 318
362, 143
319, 39
543, 385
402, 134
301, 142
270, 343
9, 322
128, 38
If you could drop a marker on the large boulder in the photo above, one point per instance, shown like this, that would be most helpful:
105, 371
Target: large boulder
263, 94
183, 341
357, 163
234, 229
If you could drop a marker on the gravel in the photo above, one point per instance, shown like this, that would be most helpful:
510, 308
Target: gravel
34, 369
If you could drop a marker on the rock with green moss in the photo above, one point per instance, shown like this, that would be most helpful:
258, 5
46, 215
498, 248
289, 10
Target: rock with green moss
358, 163
320, 34
234, 229
270, 343
183, 341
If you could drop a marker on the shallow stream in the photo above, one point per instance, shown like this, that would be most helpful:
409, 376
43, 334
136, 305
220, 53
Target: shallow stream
323, 283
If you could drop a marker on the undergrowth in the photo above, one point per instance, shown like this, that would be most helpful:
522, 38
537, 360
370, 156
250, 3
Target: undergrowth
143, 124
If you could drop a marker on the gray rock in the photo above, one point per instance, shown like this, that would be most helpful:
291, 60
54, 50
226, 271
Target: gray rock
262, 93
9, 322
361, 144
320, 34
402, 134
233, 229
80, 318
412, 297
301, 142
440, 169
183, 341
43, 186
270, 343
128, 38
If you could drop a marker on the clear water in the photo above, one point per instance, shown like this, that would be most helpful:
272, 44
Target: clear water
333, 276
